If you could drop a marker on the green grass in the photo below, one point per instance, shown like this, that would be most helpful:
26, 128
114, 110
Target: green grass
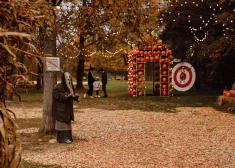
29, 95
119, 99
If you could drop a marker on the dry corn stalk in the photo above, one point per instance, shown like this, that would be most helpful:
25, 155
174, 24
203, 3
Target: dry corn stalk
10, 149
20, 22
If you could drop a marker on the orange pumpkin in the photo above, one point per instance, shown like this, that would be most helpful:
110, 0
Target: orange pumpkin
164, 79
225, 92
228, 94
164, 66
156, 58
140, 79
140, 73
163, 53
159, 47
159, 42
164, 93
168, 52
232, 92
164, 86
140, 66
139, 87
140, 93
134, 91
164, 72
134, 76
147, 59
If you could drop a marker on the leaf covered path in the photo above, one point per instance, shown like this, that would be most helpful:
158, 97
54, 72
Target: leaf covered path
191, 137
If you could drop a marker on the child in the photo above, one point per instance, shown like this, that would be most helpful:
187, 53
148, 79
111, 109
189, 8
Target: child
96, 85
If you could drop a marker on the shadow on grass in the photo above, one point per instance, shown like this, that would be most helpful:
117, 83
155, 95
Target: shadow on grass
120, 100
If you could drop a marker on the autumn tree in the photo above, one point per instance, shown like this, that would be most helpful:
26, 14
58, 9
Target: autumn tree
102, 25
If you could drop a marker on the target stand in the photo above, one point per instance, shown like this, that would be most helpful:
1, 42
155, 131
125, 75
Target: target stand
183, 76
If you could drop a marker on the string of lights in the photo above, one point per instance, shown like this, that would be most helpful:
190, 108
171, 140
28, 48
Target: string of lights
206, 20
110, 54
167, 7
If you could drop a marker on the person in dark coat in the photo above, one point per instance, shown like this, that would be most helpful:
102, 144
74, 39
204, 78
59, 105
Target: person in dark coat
91, 80
62, 108
104, 81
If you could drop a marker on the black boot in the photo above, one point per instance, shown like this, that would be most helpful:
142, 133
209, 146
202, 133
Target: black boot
64, 136
60, 136
68, 137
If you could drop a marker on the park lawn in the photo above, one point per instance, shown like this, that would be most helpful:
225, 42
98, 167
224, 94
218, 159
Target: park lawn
118, 98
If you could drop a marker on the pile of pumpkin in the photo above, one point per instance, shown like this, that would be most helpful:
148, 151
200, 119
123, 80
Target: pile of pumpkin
227, 97
229, 93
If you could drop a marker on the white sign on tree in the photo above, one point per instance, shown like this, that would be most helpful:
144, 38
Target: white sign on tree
52, 64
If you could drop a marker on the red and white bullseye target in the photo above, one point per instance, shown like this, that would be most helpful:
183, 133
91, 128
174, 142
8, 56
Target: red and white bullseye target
183, 76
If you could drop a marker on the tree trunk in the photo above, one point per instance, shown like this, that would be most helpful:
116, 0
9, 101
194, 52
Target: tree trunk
80, 71
39, 83
49, 81
81, 61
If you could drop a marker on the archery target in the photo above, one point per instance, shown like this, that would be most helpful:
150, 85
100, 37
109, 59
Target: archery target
183, 76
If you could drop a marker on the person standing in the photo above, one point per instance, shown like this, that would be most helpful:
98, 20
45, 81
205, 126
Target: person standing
91, 80
104, 81
62, 108
96, 85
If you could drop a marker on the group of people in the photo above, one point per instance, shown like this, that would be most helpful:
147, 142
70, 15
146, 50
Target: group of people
62, 104
95, 83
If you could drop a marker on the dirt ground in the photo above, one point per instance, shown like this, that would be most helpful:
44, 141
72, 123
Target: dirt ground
191, 137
